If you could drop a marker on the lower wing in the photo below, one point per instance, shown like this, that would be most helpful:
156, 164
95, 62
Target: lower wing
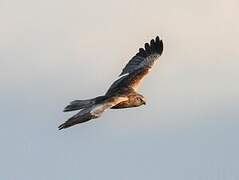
93, 112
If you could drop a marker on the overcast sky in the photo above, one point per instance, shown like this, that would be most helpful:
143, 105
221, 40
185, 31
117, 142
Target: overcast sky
55, 51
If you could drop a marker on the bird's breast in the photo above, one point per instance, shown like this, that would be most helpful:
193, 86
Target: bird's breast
125, 104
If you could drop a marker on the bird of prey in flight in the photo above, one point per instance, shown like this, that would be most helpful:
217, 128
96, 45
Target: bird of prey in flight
123, 92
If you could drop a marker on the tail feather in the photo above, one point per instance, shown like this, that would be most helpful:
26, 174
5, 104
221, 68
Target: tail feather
82, 104
79, 104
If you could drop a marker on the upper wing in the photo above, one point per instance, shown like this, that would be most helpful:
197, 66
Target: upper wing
92, 112
146, 57
139, 66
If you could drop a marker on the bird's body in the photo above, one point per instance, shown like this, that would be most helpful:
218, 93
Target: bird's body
122, 93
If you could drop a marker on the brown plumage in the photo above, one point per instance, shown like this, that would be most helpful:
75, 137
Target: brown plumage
122, 93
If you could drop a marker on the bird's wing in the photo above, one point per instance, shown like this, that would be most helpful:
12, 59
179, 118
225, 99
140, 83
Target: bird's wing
146, 56
139, 65
93, 112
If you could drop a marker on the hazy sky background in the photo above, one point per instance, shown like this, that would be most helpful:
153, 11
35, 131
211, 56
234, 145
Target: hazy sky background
55, 51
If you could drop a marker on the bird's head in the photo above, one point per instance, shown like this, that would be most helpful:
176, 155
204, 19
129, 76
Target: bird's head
140, 100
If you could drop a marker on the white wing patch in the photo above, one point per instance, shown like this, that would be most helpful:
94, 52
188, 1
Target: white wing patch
123, 75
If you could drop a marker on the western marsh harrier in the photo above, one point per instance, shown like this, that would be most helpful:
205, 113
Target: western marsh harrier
123, 92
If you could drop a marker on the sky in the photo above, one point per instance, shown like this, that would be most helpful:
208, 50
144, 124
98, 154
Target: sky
56, 51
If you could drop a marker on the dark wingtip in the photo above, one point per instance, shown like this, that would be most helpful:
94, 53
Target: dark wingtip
155, 46
147, 48
157, 38
146, 45
142, 52
159, 45
60, 127
63, 126
152, 43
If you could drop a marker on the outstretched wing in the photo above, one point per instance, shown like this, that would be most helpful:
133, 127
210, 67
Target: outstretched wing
139, 66
92, 112
146, 57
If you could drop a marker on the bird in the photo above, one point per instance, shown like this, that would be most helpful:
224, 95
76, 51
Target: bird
123, 92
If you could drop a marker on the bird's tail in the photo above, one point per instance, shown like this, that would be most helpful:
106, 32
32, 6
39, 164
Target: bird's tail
80, 104
86, 113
